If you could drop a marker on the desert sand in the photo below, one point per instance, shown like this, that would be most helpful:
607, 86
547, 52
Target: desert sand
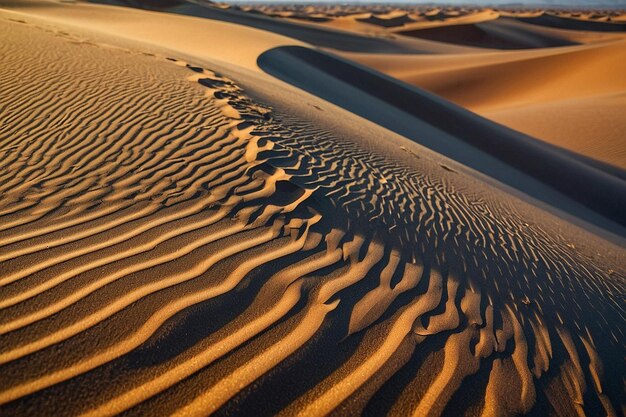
218, 210
538, 73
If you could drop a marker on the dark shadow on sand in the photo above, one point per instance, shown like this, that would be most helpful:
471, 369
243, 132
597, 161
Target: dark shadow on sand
575, 184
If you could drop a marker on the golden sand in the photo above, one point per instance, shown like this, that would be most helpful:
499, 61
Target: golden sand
181, 233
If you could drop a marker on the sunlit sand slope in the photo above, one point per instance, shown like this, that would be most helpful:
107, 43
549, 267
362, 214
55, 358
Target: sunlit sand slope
563, 84
572, 97
170, 246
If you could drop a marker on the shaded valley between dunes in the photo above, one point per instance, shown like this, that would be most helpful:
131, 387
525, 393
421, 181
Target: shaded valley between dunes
184, 235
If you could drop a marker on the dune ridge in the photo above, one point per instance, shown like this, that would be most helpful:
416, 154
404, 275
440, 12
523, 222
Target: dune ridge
564, 86
188, 250
566, 75
568, 22
599, 187
501, 33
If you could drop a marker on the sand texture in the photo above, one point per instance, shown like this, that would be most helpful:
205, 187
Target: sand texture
212, 212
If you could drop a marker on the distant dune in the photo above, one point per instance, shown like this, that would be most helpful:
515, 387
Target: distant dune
211, 210
498, 34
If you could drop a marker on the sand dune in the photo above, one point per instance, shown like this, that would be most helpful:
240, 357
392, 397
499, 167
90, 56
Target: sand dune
315, 34
561, 81
500, 34
471, 140
481, 83
182, 233
563, 22
591, 125
148, 27
480, 79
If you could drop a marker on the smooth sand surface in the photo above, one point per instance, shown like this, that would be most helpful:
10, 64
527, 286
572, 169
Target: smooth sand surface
200, 38
516, 88
192, 228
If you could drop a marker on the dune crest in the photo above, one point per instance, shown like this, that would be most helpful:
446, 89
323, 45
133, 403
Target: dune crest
554, 75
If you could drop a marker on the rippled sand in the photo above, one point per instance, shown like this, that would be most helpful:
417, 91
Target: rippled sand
183, 233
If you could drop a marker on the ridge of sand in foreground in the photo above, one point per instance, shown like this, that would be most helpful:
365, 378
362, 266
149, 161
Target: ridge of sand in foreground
169, 245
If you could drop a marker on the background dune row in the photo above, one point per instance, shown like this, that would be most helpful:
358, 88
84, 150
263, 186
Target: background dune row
572, 97
170, 246
562, 83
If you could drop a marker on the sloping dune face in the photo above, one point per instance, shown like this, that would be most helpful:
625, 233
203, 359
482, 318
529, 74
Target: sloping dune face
572, 97
556, 76
170, 246
500, 34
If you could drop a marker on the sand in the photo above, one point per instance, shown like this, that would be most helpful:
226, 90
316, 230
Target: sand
189, 227
563, 79
560, 65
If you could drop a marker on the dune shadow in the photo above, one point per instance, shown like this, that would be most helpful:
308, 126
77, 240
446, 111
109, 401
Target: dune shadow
536, 168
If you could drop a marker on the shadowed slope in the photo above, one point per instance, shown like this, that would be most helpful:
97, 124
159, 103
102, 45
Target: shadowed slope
502, 33
457, 133
571, 97
561, 22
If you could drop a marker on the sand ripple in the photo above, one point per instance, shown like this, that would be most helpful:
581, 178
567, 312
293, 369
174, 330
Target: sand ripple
168, 245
